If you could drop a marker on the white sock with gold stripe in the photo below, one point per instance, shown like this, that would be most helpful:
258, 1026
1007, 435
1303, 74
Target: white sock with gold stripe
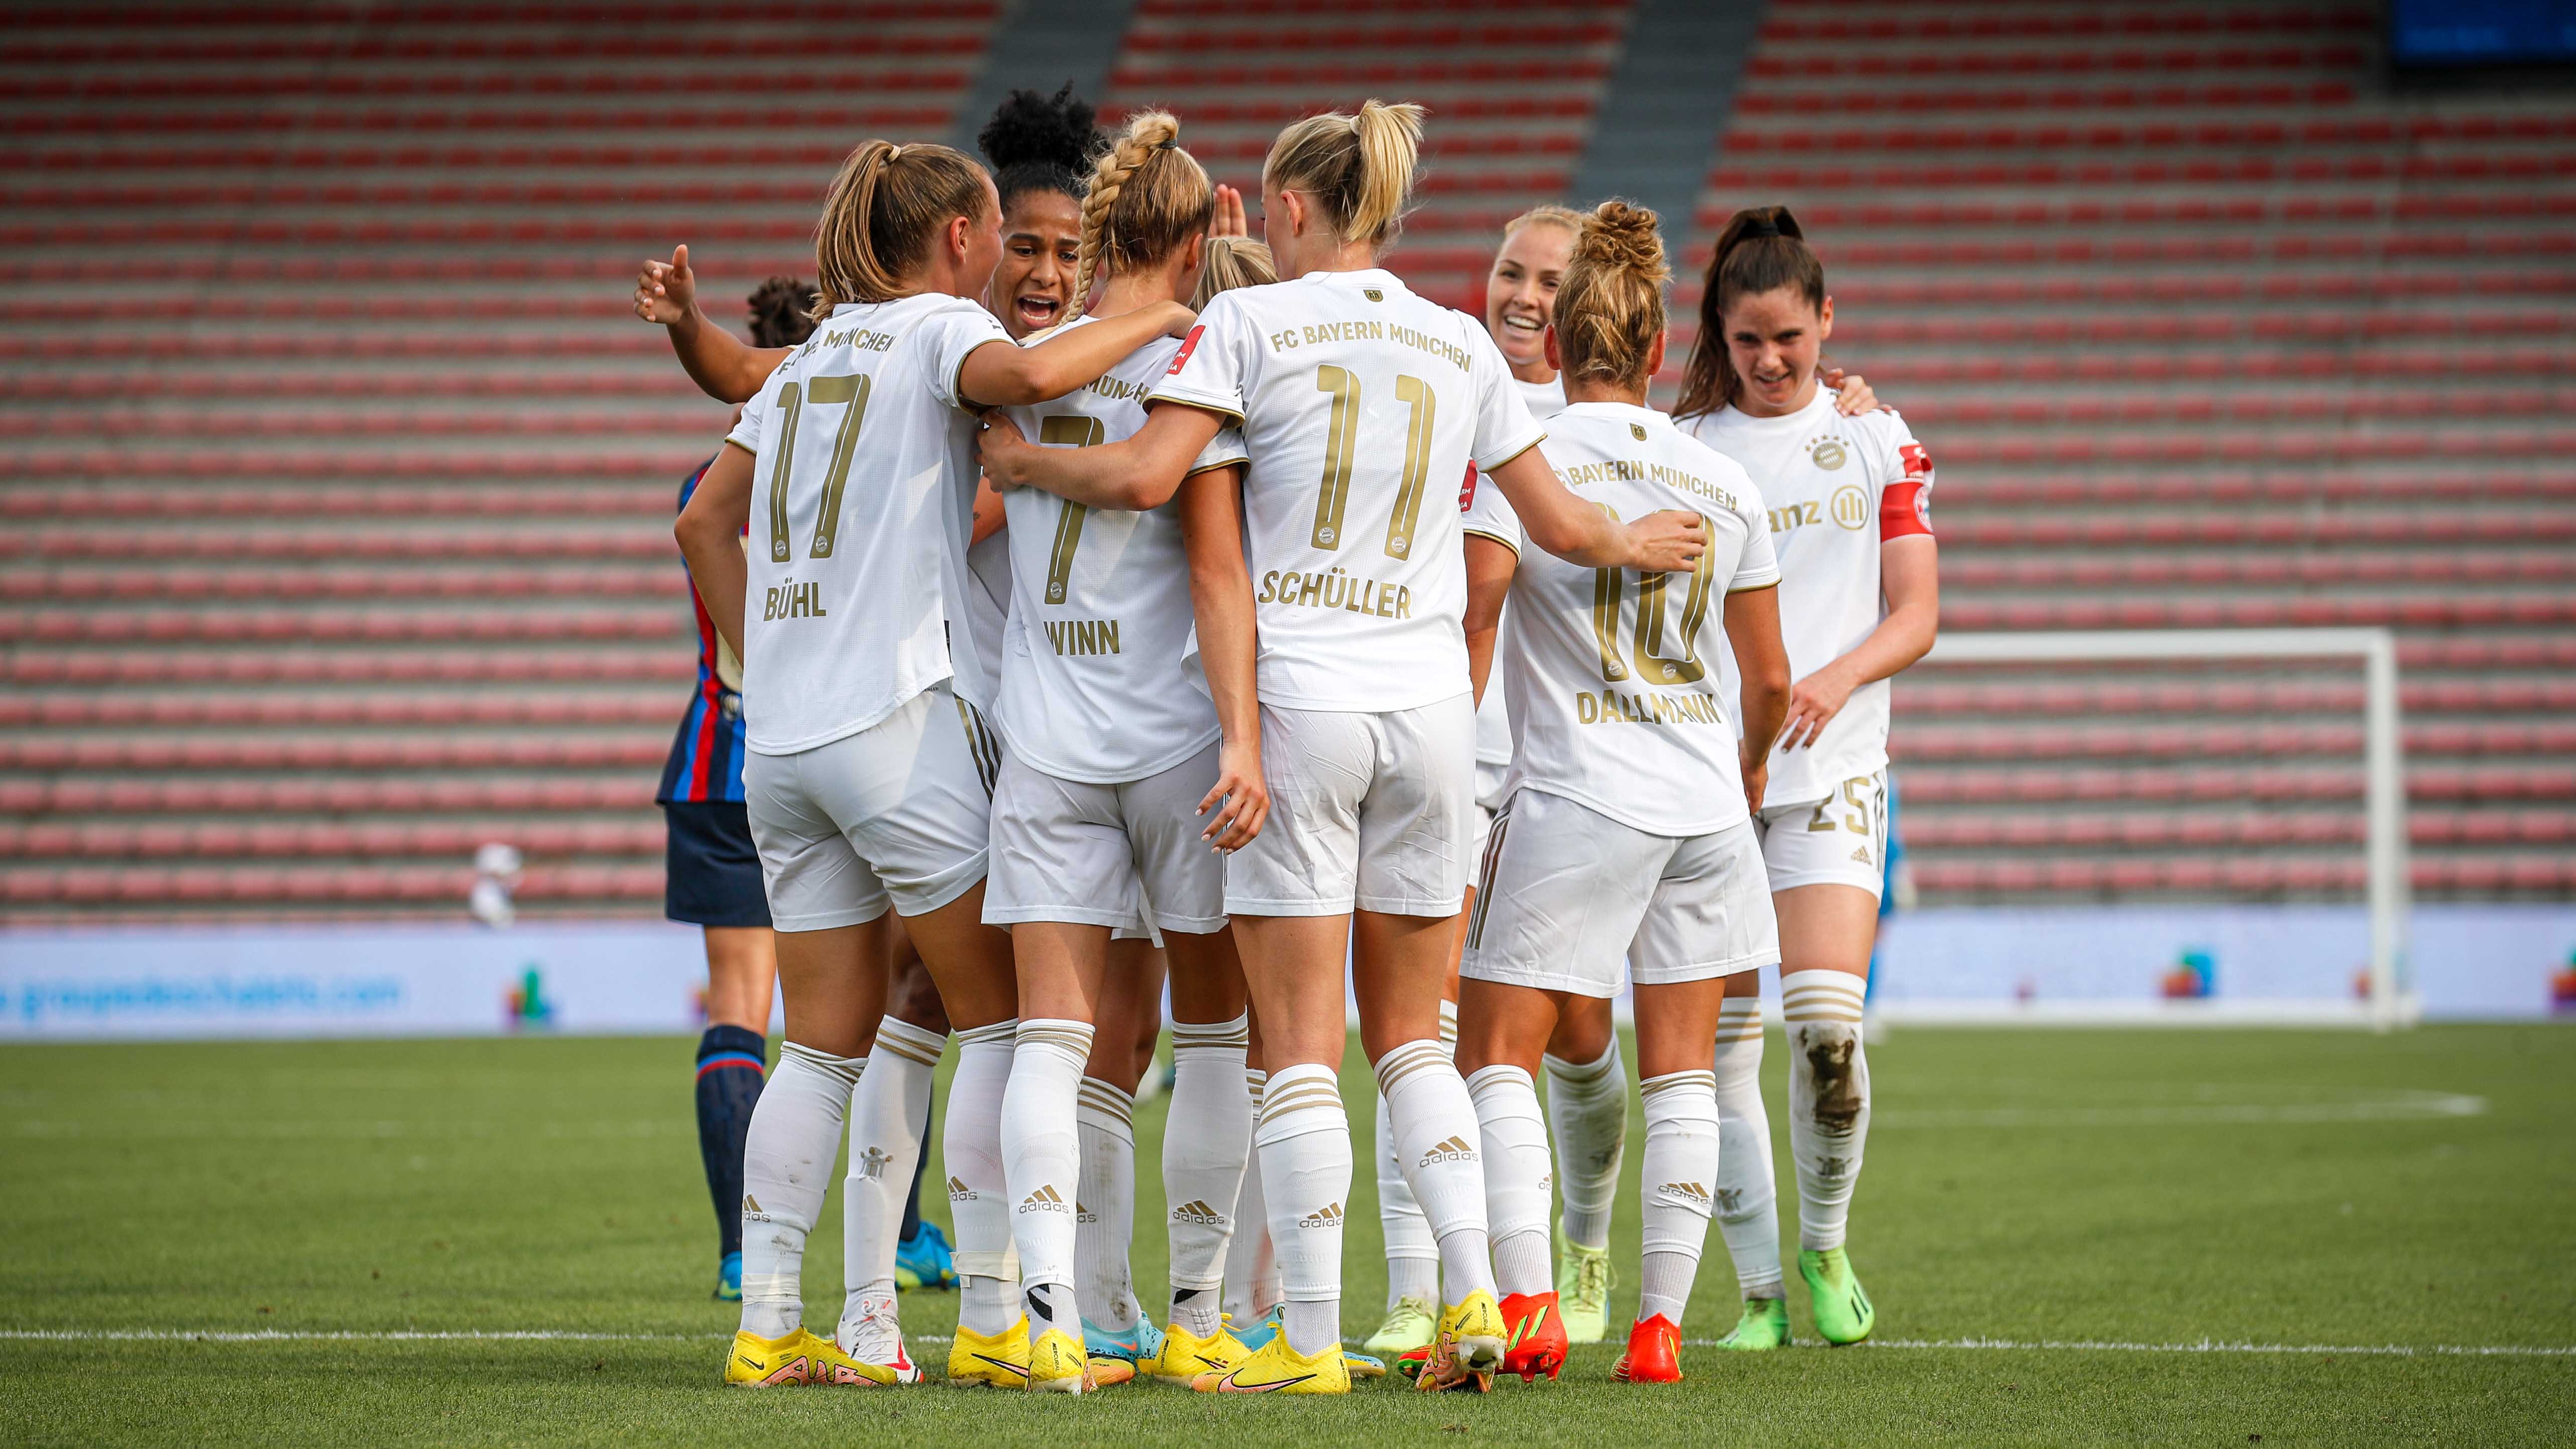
1206, 1141
1675, 1172
1304, 1142
988, 1263
1251, 1262
787, 1158
1441, 1147
1828, 1097
1042, 1161
1104, 1219
1587, 1114
1748, 1204
1516, 1173
886, 1113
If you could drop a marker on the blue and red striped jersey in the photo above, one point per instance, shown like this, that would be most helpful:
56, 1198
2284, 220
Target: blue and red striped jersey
706, 755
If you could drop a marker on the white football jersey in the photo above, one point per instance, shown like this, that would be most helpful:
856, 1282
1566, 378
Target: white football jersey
1837, 488
1613, 674
854, 589
1493, 717
988, 607
1095, 685
1362, 405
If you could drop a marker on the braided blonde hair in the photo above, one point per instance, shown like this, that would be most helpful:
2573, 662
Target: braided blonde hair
1147, 197
1610, 309
1357, 169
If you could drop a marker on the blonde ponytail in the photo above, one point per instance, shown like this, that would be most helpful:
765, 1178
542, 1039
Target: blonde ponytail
1610, 308
1233, 261
1147, 197
879, 215
1357, 170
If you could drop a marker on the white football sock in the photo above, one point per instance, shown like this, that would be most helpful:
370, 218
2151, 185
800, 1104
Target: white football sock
1304, 1142
1104, 1219
1412, 1254
1748, 1205
1587, 1113
1206, 1140
1516, 1173
988, 1261
1680, 1162
1251, 1264
788, 1155
1828, 1097
885, 1146
1437, 1136
1042, 1161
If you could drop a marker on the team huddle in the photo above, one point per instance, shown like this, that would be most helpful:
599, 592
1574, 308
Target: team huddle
1128, 618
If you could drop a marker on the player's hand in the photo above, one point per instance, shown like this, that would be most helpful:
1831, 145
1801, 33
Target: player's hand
1229, 214
1182, 319
1813, 703
1001, 447
667, 292
1667, 542
1852, 394
1756, 770
1240, 800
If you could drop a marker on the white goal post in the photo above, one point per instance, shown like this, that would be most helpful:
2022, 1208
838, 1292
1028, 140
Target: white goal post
2384, 770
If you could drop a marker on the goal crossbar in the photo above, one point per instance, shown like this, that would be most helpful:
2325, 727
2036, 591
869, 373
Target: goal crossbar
2384, 775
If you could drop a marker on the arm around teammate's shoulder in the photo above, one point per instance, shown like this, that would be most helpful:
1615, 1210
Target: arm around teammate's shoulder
1000, 375
1579, 533
1137, 473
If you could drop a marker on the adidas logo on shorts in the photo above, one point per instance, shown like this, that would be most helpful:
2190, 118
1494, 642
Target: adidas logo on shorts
1454, 1149
1200, 1213
1329, 1216
1044, 1200
958, 1191
1862, 855
1688, 1194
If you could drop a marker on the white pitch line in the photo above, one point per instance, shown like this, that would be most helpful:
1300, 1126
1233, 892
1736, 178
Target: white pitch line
558, 1335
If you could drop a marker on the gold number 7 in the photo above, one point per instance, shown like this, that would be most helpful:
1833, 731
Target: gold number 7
1067, 430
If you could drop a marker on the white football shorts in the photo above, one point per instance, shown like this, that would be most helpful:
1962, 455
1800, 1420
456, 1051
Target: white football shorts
1839, 840
1489, 803
1374, 811
896, 814
1572, 900
1064, 850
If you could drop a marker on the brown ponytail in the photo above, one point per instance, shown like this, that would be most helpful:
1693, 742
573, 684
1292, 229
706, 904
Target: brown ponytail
1358, 170
879, 217
1761, 250
1610, 307
1147, 197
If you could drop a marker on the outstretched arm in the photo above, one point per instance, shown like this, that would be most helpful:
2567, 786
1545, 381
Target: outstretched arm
1221, 597
1001, 376
1762, 663
710, 535
1140, 473
1579, 533
1909, 571
722, 365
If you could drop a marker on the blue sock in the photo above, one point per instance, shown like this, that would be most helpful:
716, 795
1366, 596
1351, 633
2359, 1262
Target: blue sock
730, 1072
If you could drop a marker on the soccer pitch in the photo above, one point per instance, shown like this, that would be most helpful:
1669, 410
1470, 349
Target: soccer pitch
2145, 1236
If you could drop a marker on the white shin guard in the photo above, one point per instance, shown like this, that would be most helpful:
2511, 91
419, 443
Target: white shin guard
788, 1155
1587, 1113
1516, 1176
1436, 1135
1748, 1211
1828, 1097
988, 1265
1680, 1162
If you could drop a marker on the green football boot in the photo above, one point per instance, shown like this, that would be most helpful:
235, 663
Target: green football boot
1765, 1325
1583, 1282
1834, 1295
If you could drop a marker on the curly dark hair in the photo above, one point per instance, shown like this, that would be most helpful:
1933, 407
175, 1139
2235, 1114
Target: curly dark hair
778, 312
1041, 143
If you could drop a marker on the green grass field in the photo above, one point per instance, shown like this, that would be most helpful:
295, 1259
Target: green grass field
2369, 1240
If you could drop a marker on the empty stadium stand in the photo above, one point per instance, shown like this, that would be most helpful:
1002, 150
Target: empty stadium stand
2204, 327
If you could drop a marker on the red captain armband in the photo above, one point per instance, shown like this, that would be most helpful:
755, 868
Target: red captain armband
1904, 511
1189, 345
1466, 491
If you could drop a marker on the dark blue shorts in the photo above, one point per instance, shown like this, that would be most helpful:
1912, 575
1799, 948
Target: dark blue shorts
712, 876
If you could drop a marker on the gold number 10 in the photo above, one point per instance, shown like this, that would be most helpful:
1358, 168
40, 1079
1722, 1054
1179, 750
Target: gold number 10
851, 389
1341, 437
1609, 596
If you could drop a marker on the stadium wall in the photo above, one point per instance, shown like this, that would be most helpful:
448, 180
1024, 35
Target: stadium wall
2481, 962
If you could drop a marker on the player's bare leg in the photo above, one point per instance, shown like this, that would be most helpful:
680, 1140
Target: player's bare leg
1826, 932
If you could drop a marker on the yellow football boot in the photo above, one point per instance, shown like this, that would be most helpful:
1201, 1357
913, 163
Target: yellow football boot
1275, 1368
1184, 1356
994, 1361
1058, 1365
828, 1365
1469, 1347
786, 1361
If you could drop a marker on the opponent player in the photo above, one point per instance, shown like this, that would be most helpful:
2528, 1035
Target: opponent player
1849, 500
867, 779
711, 876
1625, 848
1359, 401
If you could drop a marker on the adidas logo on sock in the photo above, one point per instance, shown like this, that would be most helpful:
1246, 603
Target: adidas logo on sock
1454, 1149
872, 1163
1328, 1216
1044, 1200
1689, 1193
751, 1209
1083, 1214
1199, 1213
958, 1191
